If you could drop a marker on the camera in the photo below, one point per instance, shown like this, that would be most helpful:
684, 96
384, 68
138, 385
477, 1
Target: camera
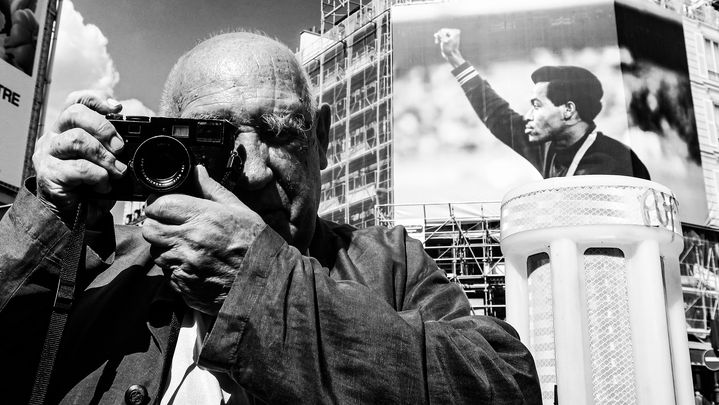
161, 152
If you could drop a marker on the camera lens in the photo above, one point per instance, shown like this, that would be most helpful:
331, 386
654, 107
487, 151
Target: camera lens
162, 163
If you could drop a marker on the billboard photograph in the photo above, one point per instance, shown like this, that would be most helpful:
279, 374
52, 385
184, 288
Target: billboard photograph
18, 33
492, 95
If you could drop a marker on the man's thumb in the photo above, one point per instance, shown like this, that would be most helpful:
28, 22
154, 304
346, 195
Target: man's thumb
212, 190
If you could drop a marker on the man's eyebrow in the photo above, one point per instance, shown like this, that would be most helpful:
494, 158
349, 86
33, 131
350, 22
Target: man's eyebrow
272, 124
277, 123
215, 115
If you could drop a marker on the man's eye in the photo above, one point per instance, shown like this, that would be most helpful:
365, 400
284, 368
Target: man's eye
286, 138
279, 137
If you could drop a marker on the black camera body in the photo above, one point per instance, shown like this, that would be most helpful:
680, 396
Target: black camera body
161, 152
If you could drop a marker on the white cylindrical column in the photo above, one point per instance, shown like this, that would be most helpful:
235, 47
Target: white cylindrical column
600, 255
650, 335
569, 333
515, 270
677, 324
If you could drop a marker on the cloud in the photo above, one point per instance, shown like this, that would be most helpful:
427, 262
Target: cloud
134, 106
83, 62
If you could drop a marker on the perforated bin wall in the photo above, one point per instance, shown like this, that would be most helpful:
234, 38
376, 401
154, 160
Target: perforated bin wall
610, 339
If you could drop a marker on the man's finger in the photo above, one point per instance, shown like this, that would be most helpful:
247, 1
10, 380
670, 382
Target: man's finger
212, 190
96, 100
80, 116
78, 144
73, 173
161, 236
175, 209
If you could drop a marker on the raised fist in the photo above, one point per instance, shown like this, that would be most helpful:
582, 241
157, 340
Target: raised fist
448, 40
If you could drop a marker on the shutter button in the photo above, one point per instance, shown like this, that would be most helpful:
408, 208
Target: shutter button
136, 395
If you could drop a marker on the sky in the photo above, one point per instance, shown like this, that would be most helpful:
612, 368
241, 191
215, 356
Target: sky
127, 47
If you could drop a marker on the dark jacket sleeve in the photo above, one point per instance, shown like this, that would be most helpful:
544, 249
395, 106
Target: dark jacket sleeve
32, 238
109, 342
502, 121
383, 326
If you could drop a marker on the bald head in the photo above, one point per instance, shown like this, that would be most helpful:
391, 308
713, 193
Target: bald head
258, 85
239, 60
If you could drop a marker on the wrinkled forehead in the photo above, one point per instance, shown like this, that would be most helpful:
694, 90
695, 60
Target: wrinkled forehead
252, 73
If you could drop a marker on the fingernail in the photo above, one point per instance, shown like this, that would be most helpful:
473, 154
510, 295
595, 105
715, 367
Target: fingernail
112, 102
120, 166
116, 143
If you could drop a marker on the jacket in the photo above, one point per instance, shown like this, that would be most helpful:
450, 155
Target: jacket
365, 317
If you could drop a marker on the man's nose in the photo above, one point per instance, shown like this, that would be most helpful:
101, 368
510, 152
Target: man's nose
255, 155
528, 115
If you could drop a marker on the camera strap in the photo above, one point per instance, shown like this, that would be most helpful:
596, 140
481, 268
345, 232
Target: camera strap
233, 169
62, 304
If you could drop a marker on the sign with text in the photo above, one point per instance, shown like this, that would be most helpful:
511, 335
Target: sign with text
21, 26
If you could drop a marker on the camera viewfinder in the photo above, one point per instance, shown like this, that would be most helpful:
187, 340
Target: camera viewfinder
180, 131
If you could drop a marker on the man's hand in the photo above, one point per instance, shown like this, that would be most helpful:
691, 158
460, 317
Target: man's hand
448, 40
79, 151
200, 243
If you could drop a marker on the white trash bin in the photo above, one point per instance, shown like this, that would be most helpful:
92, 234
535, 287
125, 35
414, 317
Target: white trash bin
594, 290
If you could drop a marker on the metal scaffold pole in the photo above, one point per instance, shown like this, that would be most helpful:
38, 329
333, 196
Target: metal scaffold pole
42, 84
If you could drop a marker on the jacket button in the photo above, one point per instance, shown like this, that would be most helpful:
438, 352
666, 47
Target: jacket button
136, 395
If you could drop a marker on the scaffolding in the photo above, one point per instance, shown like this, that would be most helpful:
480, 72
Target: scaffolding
463, 239
699, 265
42, 84
352, 72
336, 11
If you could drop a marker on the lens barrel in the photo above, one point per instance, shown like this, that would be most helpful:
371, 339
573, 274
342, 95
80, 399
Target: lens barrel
162, 163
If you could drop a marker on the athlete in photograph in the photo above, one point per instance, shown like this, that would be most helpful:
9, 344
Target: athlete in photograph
557, 135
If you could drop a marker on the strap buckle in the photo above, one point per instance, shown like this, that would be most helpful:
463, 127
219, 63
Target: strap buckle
64, 295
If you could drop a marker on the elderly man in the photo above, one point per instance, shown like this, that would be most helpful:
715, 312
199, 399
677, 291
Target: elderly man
241, 294
557, 135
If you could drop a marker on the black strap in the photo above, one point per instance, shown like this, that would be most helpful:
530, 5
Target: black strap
175, 325
233, 170
61, 307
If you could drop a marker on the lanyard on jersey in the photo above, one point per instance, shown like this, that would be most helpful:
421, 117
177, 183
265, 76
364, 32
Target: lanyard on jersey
580, 153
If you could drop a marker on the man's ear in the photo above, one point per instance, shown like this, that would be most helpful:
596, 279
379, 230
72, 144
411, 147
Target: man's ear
570, 110
324, 119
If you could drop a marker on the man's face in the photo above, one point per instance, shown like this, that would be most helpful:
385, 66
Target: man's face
281, 172
545, 121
